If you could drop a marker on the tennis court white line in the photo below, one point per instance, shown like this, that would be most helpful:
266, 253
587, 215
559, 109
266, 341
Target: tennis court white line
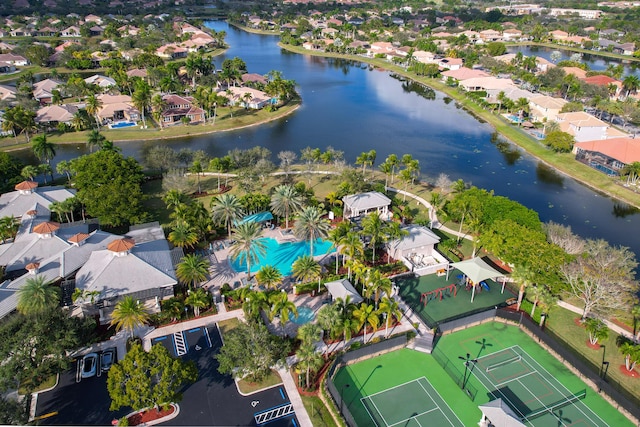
514, 379
368, 412
542, 369
414, 417
513, 347
437, 405
504, 397
378, 410
395, 386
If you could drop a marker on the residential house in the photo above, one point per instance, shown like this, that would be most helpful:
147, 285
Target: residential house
424, 57
7, 93
605, 81
6, 47
486, 83
53, 114
462, 73
20, 32
488, 36
247, 97
93, 19
47, 32
179, 107
6, 67
71, 31
15, 60
115, 108
585, 127
512, 35
137, 72
608, 156
578, 72
172, 51
43, 90
129, 30
543, 107
96, 31
582, 13
359, 205
450, 63
558, 35
253, 78
103, 82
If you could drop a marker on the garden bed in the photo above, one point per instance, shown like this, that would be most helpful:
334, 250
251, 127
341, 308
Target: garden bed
151, 416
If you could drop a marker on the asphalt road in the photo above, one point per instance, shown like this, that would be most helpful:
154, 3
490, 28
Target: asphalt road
213, 400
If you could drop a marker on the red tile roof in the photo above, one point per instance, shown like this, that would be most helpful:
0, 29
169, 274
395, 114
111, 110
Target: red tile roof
625, 150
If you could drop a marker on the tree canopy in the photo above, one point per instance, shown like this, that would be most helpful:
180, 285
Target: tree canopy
109, 186
148, 379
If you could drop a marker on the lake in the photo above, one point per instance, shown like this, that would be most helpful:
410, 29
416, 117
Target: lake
355, 109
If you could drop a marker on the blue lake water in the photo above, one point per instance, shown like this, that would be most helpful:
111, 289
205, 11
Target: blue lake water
355, 109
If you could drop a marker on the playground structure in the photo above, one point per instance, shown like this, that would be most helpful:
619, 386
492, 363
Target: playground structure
439, 293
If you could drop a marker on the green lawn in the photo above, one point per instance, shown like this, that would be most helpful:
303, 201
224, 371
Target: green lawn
248, 387
318, 412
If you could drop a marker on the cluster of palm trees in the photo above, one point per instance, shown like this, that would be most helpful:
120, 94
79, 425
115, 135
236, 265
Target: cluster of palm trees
343, 318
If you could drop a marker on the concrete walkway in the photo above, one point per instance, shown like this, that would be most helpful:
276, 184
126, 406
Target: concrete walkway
294, 397
615, 328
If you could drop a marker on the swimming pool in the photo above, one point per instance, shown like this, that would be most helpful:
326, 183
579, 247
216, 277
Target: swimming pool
305, 315
282, 256
120, 125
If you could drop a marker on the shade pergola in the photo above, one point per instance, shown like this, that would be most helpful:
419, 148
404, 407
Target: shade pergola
476, 270
258, 217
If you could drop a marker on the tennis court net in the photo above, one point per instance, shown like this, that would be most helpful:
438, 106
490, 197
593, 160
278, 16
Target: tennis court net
514, 359
560, 404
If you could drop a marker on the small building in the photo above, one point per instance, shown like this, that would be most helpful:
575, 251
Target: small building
343, 289
417, 250
357, 205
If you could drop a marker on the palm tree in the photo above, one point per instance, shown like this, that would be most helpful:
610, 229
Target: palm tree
37, 296
43, 149
366, 315
175, 307
535, 293
596, 329
254, 303
328, 318
92, 105
308, 360
95, 139
305, 268
286, 201
310, 226
64, 167
631, 83
9, 226
635, 312
269, 276
347, 324
376, 283
142, 99
248, 246
183, 236
335, 236
129, 314
198, 298
309, 333
389, 307
631, 354
281, 306
226, 209
374, 227
192, 269
526, 277
29, 172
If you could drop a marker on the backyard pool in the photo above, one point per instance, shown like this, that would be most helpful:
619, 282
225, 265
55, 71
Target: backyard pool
305, 315
120, 125
282, 256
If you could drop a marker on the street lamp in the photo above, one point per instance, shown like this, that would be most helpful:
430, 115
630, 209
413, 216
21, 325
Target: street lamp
466, 360
342, 396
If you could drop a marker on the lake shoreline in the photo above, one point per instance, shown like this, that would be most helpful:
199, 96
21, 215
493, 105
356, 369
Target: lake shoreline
525, 142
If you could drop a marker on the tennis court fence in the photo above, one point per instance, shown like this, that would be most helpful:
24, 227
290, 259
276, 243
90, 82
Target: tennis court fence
451, 368
354, 356
622, 398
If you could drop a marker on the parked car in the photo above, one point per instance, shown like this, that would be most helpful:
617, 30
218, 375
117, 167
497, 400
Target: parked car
88, 365
107, 358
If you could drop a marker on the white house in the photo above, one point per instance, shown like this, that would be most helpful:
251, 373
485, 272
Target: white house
362, 204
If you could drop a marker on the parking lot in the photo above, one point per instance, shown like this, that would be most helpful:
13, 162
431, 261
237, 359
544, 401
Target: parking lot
212, 400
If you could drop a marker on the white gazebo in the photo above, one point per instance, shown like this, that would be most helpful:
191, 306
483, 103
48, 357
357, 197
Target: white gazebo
497, 413
476, 270
356, 205
342, 289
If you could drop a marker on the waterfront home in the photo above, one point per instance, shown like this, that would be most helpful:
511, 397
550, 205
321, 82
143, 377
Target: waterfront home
115, 108
486, 83
488, 36
178, 107
52, 115
608, 156
15, 60
172, 51
512, 34
247, 97
543, 107
462, 73
362, 204
585, 127
578, 72
558, 35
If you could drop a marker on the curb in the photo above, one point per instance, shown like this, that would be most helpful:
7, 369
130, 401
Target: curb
176, 411
235, 380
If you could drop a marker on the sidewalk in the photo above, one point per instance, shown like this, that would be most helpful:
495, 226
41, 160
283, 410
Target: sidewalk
615, 328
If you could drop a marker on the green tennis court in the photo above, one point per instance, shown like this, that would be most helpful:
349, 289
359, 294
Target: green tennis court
534, 394
421, 406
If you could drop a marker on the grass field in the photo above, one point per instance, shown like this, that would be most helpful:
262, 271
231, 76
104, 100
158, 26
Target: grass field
436, 310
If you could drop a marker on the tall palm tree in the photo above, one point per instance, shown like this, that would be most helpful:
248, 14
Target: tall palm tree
281, 306
310, 226
43, 149
64, 167
374, 227
631, 83
328, 318
365, 315
269, 276
129, 314
198, 298
29, 172
352, 247
336, 235
183, 236
248, 246
286, 201
306, 268
377, 283
192, 269
255, 302
535, 293
142, 99
525, 277
95, 139
308, 360
226, 209
9, 226
37, 296
92, 105
389, 307
309, 333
